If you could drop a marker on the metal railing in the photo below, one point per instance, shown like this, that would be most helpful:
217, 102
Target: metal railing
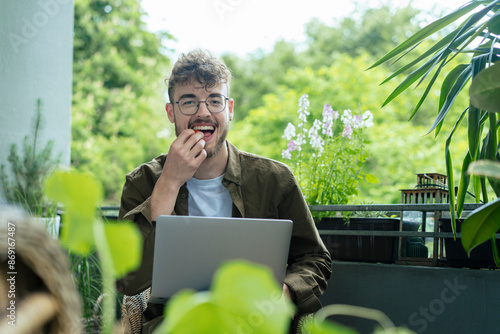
391, 208
437, 234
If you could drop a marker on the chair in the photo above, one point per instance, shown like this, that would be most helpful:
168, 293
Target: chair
132, 309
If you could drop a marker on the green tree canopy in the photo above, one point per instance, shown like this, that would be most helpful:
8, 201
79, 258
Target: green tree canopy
118, 75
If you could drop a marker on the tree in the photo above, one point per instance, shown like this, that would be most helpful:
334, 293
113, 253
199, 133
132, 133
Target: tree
366, 30
259, 74
118, 75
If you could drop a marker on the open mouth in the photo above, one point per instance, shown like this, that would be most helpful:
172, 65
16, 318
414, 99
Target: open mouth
207, 130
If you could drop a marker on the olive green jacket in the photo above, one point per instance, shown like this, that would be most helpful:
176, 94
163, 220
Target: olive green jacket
259, 188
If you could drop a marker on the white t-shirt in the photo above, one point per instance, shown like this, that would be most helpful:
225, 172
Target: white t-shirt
209, 198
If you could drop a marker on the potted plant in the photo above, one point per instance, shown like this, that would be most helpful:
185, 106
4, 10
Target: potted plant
476, 39
328, 158
29, 172
482, 225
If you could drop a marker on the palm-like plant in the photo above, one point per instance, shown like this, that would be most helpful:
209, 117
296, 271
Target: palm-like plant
478, 36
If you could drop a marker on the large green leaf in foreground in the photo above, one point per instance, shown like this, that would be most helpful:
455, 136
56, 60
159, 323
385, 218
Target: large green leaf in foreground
484, 89
80, 194
481, 225
244, 298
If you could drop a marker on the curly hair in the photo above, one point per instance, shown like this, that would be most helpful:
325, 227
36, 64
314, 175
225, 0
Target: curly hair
201, 66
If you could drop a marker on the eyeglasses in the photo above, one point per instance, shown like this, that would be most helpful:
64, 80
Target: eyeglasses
189, 105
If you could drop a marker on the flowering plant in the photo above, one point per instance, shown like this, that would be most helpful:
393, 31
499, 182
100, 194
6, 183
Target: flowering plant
327, 158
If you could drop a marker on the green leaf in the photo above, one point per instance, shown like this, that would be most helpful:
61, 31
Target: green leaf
484, 90
494, 25
125, 244
427, 31
450, 98
474, 130
463, 184
436, 47
487, 168
79, 193
449, 81
496, 256
481, 225
428, 88
449, 171
246, 288
243, 295
371, 178
191, 312
408, 81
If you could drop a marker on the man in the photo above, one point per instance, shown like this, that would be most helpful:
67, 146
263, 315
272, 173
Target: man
204, 174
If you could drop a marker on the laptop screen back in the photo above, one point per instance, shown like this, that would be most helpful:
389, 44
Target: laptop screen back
188, 250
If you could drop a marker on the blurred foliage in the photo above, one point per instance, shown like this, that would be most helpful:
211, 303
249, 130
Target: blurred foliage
118, 111
367, 30
398, 148
29, 170
118, 108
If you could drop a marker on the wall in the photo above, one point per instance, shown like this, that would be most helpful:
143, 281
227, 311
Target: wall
424, 299
36, 51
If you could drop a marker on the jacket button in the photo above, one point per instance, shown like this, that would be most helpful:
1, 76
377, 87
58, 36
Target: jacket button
183, 195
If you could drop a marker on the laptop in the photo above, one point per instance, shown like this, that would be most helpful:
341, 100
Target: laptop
188, 250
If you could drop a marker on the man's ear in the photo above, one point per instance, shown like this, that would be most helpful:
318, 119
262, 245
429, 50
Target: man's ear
169, 107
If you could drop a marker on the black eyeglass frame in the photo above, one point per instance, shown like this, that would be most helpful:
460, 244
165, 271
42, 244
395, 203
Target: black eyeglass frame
224, 98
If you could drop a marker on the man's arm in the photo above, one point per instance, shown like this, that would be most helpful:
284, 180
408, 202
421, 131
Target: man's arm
309, 265
183, 159
144, 199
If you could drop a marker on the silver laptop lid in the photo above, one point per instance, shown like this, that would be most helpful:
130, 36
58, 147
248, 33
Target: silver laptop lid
188, 250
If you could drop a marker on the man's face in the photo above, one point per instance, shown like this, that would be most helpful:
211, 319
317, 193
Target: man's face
214, 126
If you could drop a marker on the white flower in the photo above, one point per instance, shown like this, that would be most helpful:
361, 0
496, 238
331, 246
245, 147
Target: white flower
346, 118
300, 141
286, 154
368, 118
289, 131
304, 102
357, 122
328, 115
303, 112
315, 139
347, 131
335, 115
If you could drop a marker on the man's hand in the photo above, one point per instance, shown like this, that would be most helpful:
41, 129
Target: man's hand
183, 159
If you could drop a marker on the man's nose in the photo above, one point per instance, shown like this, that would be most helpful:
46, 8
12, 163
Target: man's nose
203, 109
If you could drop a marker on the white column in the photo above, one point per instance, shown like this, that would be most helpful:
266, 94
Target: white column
36, 60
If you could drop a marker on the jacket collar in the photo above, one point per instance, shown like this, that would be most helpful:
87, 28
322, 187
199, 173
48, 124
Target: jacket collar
233, 169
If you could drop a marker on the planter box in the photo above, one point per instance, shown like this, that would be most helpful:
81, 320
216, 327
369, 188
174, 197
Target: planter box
360, 248
480, 257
